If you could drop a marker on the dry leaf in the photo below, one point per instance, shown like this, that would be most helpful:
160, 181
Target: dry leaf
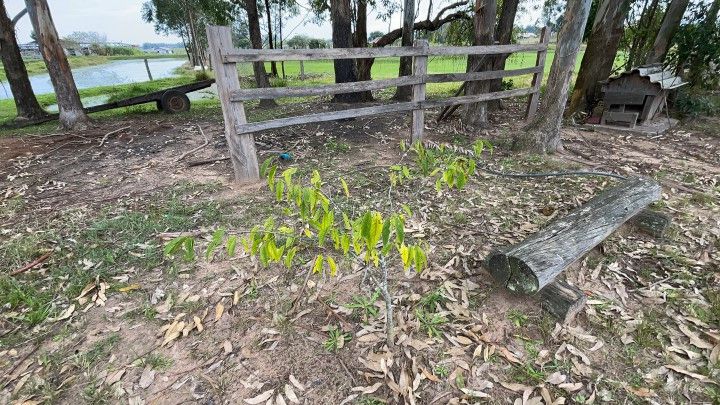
227, 346
114, 377
681, 370
198, 324
290, 394
219, 309
260, 398
147, 377
280, 400
367, 390
294, 381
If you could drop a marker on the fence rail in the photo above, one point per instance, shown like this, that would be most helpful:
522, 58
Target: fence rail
239, 132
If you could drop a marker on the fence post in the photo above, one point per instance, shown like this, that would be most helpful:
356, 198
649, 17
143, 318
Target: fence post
147, 67
532, 104
242, 146
418, 92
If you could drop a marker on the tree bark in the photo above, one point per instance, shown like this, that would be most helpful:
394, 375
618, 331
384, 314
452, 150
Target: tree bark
261, 79
345, 70
562, 300
403, 93
535, 262
602, 46
360, 41
503, 35
542, 133
669, 26
25, 102
271, 44
484, 32
71, 115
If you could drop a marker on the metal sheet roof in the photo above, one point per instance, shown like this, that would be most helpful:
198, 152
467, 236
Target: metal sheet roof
655, 73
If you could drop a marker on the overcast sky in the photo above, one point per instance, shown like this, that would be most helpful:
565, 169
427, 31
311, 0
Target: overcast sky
120, 20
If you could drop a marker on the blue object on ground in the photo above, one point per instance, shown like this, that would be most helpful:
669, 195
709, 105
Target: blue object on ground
285, 156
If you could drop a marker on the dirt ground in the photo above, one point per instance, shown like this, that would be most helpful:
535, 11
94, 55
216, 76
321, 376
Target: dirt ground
105, 317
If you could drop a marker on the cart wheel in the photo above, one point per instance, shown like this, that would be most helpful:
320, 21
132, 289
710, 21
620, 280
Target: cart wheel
174, 101
158, 104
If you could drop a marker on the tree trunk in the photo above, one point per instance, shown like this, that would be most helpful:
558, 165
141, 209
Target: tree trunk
534, 263
503, 35
404, 93
345, 70
261, 80
542, 133
25, 102
669, 26
71, 110
639, 44
602, 46
271, 45
360, 41
484, 29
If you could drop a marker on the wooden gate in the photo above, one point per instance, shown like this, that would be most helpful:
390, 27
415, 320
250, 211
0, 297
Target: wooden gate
239, 132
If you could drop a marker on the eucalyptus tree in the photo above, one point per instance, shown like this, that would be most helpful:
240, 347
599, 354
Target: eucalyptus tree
71, 113
26, 103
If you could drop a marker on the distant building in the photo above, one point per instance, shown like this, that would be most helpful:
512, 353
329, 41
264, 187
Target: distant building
160, 50
31, 50
527, 35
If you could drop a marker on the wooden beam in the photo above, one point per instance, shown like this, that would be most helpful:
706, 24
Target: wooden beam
322, 90
417, 124
242, 148
375, 110
562, 300
477, 76
534, 99
269, 55
535, 262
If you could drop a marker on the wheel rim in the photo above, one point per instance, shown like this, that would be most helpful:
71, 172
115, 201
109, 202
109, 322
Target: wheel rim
176, 103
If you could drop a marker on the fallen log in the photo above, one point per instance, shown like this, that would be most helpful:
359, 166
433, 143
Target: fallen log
534, 263
562, 300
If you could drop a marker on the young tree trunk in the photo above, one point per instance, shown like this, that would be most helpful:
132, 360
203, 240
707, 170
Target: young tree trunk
484, 29
404, 93
503, 35
602, 46
669, 26
271, 44
542, 133
25, 102
261, 80
639, 44
72, 114
360, 41
345, 70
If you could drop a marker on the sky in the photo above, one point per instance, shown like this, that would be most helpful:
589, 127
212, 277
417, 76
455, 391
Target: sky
121, 21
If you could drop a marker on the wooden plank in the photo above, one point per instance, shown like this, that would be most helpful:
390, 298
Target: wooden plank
326, 116
242, 148
418, 93
562, 300
628, 119
476, 76
534, 99
375, 110
277, 55
532, 264
322, 90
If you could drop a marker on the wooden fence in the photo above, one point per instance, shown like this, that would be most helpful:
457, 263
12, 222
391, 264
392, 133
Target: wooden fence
239, 132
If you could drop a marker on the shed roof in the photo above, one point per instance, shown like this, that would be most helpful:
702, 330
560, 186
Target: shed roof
655, 73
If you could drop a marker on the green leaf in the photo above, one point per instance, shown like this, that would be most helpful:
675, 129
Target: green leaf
265, 165
287, 175
332, 265
316, 180
317, 267
289, 257
231, 245
345, 188
215, 242
271, 178
386, 233
279, 190
399, 230
175, 244
405, 256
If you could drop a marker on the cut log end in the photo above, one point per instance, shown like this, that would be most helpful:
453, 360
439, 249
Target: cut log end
651, 222
562, 300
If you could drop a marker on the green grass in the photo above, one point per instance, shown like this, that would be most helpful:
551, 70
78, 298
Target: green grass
103, 247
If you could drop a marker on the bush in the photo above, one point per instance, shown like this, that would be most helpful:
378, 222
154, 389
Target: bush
692, 102
202, 75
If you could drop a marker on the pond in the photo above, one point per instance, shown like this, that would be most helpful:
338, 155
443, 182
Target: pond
115, 72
